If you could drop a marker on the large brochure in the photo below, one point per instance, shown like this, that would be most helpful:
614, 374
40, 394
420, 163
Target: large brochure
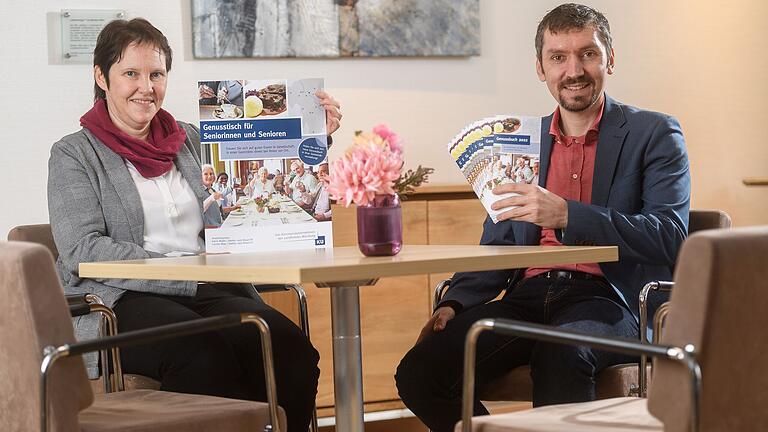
268, 137
497, 150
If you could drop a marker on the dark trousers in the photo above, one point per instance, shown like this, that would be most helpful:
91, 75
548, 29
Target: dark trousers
227, 362
430, 375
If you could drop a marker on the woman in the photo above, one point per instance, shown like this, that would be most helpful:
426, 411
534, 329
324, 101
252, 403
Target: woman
221, 185
128, 186
261, 185
278, 182
212, 210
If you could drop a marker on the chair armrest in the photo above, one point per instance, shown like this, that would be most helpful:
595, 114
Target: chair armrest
156, 334
270, 288
665, 286
569, 337
78, 306
643, 302
85, 304
440, 290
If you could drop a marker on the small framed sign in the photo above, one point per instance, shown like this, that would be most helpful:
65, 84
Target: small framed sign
79, 30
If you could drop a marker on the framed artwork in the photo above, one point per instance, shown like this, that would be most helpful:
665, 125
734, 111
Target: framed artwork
335, 28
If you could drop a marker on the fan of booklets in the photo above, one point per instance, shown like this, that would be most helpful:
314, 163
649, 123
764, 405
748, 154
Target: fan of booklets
497, 150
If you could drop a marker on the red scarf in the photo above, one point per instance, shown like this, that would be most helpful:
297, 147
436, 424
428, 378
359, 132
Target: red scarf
153, 157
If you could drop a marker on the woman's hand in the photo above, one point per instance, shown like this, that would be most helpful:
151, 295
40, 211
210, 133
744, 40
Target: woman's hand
206, 92
332, 111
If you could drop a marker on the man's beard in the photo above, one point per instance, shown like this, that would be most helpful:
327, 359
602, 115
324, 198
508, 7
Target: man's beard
578, 103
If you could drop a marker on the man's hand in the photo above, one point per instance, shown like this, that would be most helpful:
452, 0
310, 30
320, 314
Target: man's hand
332, 111
534, 204
438, 322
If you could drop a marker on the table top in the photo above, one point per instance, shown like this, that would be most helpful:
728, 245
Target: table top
345, 263
249, 216
755, 181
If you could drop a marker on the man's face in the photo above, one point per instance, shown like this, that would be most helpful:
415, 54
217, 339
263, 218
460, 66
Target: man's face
574, 65
322, 172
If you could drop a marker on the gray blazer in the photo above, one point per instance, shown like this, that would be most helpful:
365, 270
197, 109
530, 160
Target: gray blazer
96, 215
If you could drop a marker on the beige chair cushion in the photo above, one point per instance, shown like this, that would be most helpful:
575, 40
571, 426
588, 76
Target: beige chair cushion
717, 305
33, 315
618, 380
149, 410
40, 234
516, 385
615, 415
614, 381
131, 381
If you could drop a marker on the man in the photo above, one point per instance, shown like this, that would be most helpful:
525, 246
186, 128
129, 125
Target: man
610, 174
523, 172
535, 168
300, 176
322, 208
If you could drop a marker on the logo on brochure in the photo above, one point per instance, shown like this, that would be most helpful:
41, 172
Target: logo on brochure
320, 241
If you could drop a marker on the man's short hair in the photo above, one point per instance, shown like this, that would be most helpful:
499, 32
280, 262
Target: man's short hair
572, 16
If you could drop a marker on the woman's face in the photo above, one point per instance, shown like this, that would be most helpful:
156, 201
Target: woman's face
208, 177
263, 175
223, 180
136, 88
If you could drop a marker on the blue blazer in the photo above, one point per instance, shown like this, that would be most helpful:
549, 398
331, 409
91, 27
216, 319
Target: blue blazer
640, 202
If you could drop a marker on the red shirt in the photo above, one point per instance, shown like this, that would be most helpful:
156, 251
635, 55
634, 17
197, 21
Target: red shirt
571, 167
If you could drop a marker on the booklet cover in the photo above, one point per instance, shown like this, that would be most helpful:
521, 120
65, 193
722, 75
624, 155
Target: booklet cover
496, 150
269, 136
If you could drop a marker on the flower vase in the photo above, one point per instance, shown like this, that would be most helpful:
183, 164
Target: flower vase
380, 226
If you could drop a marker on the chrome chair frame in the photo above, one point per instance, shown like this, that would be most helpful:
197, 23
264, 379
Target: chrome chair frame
51, 354
107, 327
642, 376
301, 299
685, 355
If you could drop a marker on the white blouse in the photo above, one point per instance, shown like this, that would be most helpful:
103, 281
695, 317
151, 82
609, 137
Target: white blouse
172, 217
259, 188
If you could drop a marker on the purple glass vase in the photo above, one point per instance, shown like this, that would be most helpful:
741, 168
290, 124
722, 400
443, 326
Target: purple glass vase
380, 226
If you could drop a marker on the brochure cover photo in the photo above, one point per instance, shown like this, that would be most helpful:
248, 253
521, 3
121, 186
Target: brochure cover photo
497, 150
270, 136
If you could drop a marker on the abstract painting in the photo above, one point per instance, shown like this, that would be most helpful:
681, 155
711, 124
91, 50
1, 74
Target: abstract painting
335, 28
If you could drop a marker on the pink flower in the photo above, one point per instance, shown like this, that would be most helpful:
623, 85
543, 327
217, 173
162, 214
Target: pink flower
367, 169
393, 139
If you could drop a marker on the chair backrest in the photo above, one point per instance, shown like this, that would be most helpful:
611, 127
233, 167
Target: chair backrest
33, 315
707, 219
719, 298
40, 234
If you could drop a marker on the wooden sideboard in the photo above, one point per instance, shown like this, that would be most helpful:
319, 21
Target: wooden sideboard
394, 310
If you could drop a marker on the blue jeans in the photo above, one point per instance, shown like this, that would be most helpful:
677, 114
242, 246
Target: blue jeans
429, 376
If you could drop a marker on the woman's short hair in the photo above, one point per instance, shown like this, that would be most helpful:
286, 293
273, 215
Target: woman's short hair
204, 166
262, 170
116, 36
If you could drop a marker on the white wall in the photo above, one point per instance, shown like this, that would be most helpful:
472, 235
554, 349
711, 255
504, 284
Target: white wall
703, 61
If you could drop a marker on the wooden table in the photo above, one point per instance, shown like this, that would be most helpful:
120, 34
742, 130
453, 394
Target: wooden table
344, 270
755, 181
